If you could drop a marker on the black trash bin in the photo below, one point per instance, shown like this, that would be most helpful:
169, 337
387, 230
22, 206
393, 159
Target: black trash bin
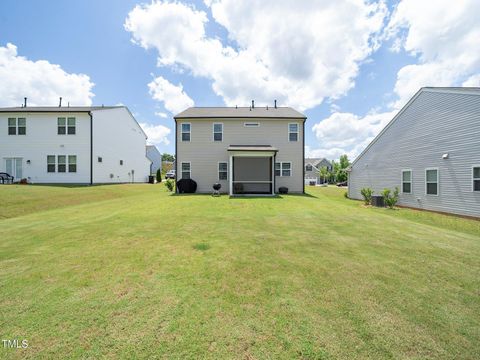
377, 200
151, 179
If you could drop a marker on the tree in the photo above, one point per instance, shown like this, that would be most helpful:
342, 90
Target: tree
340, 168
324, 173
168, 157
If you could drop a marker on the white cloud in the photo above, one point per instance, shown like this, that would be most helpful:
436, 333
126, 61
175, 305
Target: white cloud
296, 52
444, 38
175, 99
473, 81
162, 115
347, 133
40, 81
157, 134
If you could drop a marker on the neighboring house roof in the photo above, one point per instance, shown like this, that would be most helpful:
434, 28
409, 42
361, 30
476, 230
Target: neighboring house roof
447, 90
251, 148
240, 112
57, 108
316, 162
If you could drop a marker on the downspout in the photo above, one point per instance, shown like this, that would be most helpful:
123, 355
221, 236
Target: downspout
176, 157
303, 161
91, 147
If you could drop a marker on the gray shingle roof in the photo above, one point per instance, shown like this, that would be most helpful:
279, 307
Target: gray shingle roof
240, 112
57, 108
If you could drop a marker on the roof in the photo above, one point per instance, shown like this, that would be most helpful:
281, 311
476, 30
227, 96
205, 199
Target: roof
57, 108
251, 148
446, 90
315, 162
240, 112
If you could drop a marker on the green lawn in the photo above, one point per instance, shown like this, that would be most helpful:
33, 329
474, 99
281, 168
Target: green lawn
130, 271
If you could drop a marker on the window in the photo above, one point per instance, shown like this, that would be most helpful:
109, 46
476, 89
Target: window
407, 181
51, 163
186, 130
12, 126
218, 132
186, 173
293, 132
61, 126
251, 124
431, 181
61, 163
72, 163
222, 171
476, 178
22, 126
13, 129
71, 126
283, 169
121, 162
100, 159
308, 167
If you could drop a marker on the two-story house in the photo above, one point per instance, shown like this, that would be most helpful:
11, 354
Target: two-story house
82, 145
312, 170
248, 150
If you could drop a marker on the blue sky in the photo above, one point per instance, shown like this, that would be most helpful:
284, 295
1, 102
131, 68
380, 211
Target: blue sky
359, 73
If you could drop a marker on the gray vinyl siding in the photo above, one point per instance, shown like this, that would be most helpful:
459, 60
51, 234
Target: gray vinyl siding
433, 124
204, 154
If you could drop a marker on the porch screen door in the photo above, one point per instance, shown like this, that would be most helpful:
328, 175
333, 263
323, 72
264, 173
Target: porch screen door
13, 166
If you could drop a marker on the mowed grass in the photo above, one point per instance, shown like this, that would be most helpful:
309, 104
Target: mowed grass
130, 271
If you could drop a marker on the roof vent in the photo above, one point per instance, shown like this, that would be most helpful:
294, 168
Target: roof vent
253, 104
25, 102
60, 102
275, 102
267, 107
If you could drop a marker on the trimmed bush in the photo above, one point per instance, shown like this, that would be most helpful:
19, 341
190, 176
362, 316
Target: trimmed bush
170, 184
367, 195
390, 198
159, 176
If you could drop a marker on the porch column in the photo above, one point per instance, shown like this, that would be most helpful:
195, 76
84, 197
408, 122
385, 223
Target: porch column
230, 176
273, 175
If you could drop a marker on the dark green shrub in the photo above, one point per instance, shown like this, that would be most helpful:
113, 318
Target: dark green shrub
367, 195
159, 176
390, 198
170, 184
345, 194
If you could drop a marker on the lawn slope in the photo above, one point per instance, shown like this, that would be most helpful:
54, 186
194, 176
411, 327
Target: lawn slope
131, 271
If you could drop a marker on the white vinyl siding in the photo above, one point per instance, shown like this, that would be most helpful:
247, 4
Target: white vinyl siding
431, 181
186, 132
222, 171
476, 178
293, 132
186, 170
406, 181
218, 132
283, 169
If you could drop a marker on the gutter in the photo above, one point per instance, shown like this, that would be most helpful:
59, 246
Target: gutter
176, 157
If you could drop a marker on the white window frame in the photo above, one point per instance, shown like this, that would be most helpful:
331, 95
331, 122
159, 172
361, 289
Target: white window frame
213, 132
68, 163
474, 178
189, 167
294, 132
74, 126
411, 180
185, 132
281, 168
65, 164
16, 126
438, 181
54, 164
218, 170
311, 167
251, 124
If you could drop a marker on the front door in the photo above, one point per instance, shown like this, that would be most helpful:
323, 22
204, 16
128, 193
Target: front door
13, 166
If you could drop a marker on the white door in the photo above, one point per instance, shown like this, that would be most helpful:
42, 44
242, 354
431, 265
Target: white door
13, 166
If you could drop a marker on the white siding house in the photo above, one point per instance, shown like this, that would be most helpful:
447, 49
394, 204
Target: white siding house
82, 145
247, 150
155, 157
430, 151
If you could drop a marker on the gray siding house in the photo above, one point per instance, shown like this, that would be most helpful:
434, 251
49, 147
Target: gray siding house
312, 168
247, 150
430, 151
155, 157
